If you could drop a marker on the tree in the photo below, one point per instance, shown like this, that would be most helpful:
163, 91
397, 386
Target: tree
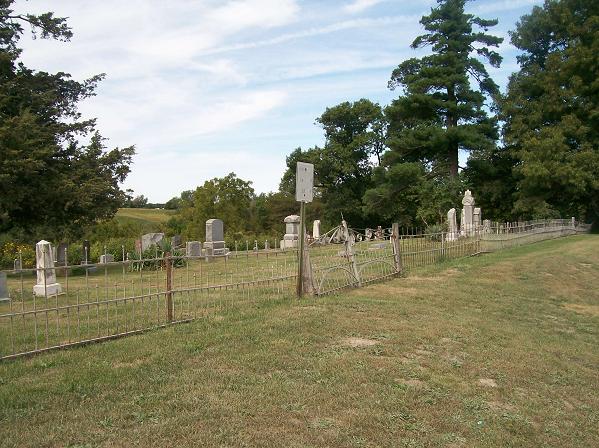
552, 111
51, 181
355, 134
228, 198
439, 113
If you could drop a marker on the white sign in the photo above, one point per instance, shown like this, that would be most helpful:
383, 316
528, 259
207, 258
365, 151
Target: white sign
304, 182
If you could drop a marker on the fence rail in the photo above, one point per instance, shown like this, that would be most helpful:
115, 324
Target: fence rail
105, 301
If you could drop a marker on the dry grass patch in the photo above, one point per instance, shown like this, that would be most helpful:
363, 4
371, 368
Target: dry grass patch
590, 310
358, 342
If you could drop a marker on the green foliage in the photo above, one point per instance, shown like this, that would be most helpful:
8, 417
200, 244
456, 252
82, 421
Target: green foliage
42, 157
439, 113
552, 111
355, 133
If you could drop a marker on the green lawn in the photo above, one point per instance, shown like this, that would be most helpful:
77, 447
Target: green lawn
496, 350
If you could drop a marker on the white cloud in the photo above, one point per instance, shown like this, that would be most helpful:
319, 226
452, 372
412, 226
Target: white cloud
503, 5
360, 5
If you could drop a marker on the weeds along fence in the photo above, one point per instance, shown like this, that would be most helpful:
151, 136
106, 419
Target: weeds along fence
104, 301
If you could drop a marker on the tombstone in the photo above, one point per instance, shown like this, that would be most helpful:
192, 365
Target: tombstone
17, 264
316, 229
151, 239
380, 233
87, 250
476, 218
106, 258
176, 241
468, 214
256, 249
452, 225
215, 237
266, 245
3, 288
573, 222
46, 274
291, 237
487, 226
193, 249
368, 234
61, 254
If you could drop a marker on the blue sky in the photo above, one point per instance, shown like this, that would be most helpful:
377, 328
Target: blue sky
205, 87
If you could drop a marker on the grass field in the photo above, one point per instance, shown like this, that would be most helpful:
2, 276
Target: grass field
150, 215
497, 350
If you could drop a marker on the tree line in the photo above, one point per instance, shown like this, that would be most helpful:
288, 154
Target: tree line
531, 152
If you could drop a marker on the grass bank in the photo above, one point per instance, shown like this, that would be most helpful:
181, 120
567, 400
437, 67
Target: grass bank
497, 350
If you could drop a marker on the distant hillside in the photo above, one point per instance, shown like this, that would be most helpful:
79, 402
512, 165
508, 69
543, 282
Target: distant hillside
145, 216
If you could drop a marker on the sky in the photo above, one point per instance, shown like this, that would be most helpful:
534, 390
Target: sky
203, 88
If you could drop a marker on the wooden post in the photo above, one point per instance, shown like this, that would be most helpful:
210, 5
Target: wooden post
396, 247
301, 238
169, 286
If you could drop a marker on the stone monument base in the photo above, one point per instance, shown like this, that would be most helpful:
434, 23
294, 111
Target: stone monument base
51, 289
289, 244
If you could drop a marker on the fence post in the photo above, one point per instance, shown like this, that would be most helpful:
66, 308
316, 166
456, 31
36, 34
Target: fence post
307, 283
349, 252
168, 263
396, 247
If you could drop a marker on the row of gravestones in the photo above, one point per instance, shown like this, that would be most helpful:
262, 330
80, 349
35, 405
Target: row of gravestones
470, 221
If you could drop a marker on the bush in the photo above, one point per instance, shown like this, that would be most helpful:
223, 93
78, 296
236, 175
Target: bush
9, 251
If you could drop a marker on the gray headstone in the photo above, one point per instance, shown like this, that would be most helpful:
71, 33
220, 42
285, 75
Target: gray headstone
316, 229
193, 249
467, 224
3, 287
452, 225
291, 237
176, 241
215, 230
151, 239
61, 253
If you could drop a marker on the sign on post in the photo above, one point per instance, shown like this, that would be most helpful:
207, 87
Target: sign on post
304, 182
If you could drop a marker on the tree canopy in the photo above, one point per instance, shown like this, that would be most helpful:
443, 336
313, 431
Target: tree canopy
53, 182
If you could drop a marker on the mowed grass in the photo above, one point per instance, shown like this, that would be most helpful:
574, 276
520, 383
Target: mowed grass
147, 215
497, 350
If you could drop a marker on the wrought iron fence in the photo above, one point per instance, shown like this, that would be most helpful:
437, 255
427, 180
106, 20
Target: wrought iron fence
100, 301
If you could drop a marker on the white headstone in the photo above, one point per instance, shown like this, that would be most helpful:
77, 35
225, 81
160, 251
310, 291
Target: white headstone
452, 225
487, 226
316, 229
467, 223
46, 274
291, 237
476, 218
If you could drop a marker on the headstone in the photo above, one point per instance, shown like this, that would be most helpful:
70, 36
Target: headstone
368, 234
61, 254
266, 245
17, 264
476, 218
573, 222
380, 233
3, 288
151, 239
468, 213
46, 274
87, 251
256, 246
106, 258
316, 229
215, 237
291, 237
487, 226
176, 241
452, 225
193, 249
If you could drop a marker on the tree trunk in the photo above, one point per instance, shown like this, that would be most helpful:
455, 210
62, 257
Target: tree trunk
452, 155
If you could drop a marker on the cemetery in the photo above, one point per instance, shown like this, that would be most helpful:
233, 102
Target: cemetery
184, 261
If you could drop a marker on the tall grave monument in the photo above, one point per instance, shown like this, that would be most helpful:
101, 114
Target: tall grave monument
215, 237
46, 274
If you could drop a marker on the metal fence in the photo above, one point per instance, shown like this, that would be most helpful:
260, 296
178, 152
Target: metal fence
104, 301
